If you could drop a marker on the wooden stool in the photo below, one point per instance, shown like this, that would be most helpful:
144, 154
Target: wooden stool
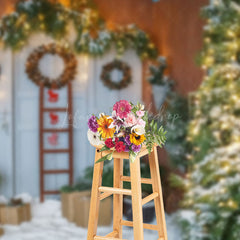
99, 193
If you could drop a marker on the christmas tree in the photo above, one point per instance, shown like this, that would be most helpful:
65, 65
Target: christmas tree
213, 182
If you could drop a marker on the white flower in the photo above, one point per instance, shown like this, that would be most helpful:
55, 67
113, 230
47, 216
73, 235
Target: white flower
101, 115
142, 107
94, 138
141, 122
138, 129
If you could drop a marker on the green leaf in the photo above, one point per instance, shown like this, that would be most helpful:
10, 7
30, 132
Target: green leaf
104, 148
132, 156
155, 127
110, 156
107, 157
152, 123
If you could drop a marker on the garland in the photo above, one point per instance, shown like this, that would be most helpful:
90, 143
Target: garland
119, 65
32, 66
53, 19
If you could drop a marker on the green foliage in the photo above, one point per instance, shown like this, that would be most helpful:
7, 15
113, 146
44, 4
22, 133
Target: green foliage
81, 185
53, 19
154, 134
107, 177
212, 184
132, 38
176, 125
157, 73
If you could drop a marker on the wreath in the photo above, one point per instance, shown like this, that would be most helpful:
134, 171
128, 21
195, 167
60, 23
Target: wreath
33, 71
121, 66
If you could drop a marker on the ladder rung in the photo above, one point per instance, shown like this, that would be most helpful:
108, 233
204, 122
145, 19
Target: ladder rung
55, 130
55, 109
105, 195
145, 225
143, 180
51, 192
56, 150
56, 171
149, 198
115, 190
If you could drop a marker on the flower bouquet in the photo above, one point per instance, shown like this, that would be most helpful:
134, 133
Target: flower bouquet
126, 130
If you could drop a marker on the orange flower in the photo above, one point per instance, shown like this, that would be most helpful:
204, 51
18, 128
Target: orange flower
104, 122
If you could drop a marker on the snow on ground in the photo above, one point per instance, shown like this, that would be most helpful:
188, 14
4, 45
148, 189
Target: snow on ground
48, 224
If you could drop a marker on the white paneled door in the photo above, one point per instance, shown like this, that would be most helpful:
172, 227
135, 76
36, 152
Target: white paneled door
19, 162
7, 166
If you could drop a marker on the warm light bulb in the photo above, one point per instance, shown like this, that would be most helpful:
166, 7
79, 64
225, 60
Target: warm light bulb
227, 168
221, 204
223, 190
224, 125
230, 33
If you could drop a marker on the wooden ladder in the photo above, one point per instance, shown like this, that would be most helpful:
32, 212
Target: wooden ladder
100, 192
43, 151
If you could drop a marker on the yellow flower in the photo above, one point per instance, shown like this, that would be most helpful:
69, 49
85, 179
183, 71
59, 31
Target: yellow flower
137, 139
104, 122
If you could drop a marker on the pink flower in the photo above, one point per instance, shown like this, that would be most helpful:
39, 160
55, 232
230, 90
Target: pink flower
141, 122
130, 120
122, 108
140, 113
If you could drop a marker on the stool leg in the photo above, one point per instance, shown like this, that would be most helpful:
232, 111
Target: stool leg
157, 187
95, 198
118, 198
136, 199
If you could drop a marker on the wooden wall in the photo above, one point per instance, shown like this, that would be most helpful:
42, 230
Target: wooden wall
174, 25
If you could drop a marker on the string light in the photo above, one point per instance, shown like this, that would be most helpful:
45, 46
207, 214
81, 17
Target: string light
235, 98
195, 130
220, 204
207, 40
230, 33
232, 204
225, 125
223, 190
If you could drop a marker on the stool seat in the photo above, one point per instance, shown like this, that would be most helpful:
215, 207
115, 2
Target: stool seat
123, 155
100, 192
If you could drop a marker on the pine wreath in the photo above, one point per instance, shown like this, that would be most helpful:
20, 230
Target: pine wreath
121, 66
33, 71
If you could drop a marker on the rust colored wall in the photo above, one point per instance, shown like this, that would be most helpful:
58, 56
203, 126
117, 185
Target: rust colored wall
6, 6
174, 25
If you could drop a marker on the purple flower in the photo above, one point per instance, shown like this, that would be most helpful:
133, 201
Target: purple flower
136, 148
92, 123
127, 140
126, 148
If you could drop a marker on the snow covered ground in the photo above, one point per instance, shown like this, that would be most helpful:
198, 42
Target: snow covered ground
47, 224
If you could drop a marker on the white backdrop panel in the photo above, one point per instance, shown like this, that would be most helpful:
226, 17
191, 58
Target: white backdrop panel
89, 96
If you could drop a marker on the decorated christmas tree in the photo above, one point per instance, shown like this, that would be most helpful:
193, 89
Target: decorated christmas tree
213, 182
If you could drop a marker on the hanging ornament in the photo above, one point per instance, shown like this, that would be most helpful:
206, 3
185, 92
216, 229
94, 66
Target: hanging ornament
54, 118
53, 139
52, 96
